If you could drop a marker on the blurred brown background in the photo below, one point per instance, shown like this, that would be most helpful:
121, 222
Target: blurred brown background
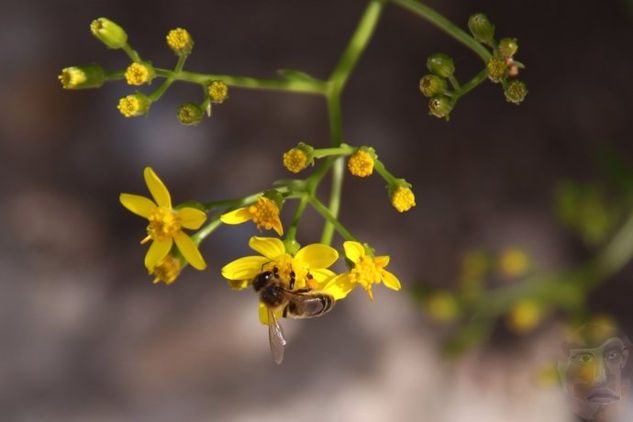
87, 337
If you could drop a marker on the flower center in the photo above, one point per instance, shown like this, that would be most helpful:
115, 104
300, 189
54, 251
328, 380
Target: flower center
361, 164
295, 160
163, 224
167, 271
289, 269
365, 272
265, 213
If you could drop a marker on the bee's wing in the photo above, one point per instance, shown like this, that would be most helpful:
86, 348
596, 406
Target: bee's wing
275, 337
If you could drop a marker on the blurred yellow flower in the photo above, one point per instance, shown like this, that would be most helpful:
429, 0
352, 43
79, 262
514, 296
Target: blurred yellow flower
264, 213
367, 270
218, 91
513, 262
167, 269
165, 223
524, 316
442, 307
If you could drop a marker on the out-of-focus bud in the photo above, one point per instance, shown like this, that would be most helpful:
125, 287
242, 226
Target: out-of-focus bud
515, 92
524, 316
79, 77
443, 307
134, 105
190, 114
109, 33
481, 28
441, 65
508, 47
497, 69
432, 85
440, 106
218, 91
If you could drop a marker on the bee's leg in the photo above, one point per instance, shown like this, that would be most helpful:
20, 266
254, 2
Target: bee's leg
292, 280
285, 313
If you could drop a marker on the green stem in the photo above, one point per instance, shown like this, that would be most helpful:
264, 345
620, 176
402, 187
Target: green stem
132, 54
470, 85
292, 230
302, 86
154, 96
114, 75
336, 135
382, 171
325, 213
201, 234
327, 152
357, 44
445, 25
238, 202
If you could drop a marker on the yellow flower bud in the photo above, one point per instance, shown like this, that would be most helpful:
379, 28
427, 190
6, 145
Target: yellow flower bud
497, 69
361, 163
139, 73
109, 33
513, 262
218, 91
79, 77
432, 85
402, 199
442, 307
190, 114
167, 270
524, 316
515, 92
134, 105
295, 160
180, 41
508, 47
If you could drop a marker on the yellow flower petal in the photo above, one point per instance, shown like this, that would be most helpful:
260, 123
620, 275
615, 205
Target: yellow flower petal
381, 261
189, 251
270, 247
156, 252
390, 280
322, 275
277, 227
245, 268
237, 216
157, 188
339, 286
317, 255
139, 205
191, 218
353, 251
238, 284
263, 314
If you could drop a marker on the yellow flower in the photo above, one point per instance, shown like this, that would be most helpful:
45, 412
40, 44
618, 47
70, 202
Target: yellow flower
524, 316
367, 270
218, 91
180, 41
76, 77
295, 160
138, 74
167, 270
264, 213
513, 262
442, 307
134, 105
309, 266
165, 223
361, 164
403, 199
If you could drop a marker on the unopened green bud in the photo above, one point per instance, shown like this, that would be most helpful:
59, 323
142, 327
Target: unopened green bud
497, 69
111, 34
508, 47
190, 114
481, 28
79, 77
432, 85
440, 106
441, 65
515, 92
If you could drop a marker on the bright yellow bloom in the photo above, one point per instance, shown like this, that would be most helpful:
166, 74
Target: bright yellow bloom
367, 270
309, 266
361, 164
167, 270
264, 213
138, 74
295, 160
524, 316
218, 91
76, 77
513, 262
134, 105
180, 41
403, 199
165, 223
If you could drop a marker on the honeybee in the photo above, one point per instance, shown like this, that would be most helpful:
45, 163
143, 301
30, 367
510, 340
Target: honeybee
302, 303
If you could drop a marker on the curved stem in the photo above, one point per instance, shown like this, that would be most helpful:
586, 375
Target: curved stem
382, 171
445, 25
292, 230
132, 54
474, 82
325, 213
201, 234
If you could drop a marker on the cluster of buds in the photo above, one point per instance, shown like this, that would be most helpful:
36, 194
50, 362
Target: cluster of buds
435, 84
141, 72
501, 66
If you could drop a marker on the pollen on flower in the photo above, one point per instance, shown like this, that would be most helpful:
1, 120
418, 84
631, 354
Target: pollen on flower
366, 273
265, 213
133, 105
361, 164
163, 224
218, 91
72, 77
295, 160
180, 41
137, 74
403, 199
167, 270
